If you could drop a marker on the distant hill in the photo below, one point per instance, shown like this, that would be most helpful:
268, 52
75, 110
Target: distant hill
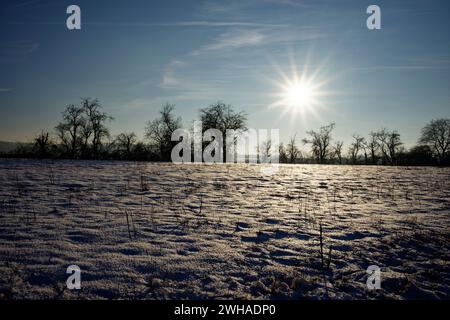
6, 146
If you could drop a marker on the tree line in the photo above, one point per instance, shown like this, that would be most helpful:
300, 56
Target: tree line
382, 147
83, 133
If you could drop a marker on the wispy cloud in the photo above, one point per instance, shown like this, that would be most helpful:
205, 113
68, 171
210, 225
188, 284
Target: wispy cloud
137, 103
5, 89
183, 24
222, 6
410, 65
169, 78
240, 38
29, 5
204, 23
194, 23
292, 3
185, 81
16, 50
233, 40
404, 67
235, 8
26, 3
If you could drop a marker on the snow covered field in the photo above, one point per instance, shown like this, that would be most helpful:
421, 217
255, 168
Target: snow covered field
165, 231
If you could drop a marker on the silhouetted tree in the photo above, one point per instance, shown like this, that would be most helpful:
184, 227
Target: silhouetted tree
159, 131
42, 145
420, 155
355, 147
125, 143
222, 117
283, 154
69, 130
292, 152
320, 142
141, 152
82, 129
94, 127
265, 151
436, 134
337, 150
390, 144
372, 145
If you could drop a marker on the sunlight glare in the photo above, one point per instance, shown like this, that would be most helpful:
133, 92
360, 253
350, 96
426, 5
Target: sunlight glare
299, 95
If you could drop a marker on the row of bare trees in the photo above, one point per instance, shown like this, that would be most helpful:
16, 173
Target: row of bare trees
83, 134
380, 147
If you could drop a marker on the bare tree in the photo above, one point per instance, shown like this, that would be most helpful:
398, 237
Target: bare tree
222, 117
320, 142
421, 155
337, 150
390, 144
356, 147
125, 142
283, 153
364, 149
292, 152
69, 130
42, 144
159, 131
83, 129
394, 146
264, 151
85, 135
95, 125
373, 146
436, 134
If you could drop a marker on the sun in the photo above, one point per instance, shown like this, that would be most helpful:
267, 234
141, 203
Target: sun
299, 95
304, 91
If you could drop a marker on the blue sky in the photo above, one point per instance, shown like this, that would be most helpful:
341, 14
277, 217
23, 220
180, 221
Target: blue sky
136, 55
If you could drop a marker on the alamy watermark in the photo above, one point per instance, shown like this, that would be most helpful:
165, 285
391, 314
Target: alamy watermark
374, 279
374, 20
232, 146
73, 21
74, 280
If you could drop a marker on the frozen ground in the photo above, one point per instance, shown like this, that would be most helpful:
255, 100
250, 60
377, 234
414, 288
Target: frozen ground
222, 231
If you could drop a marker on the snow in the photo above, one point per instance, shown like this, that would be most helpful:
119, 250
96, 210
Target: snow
167, 231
